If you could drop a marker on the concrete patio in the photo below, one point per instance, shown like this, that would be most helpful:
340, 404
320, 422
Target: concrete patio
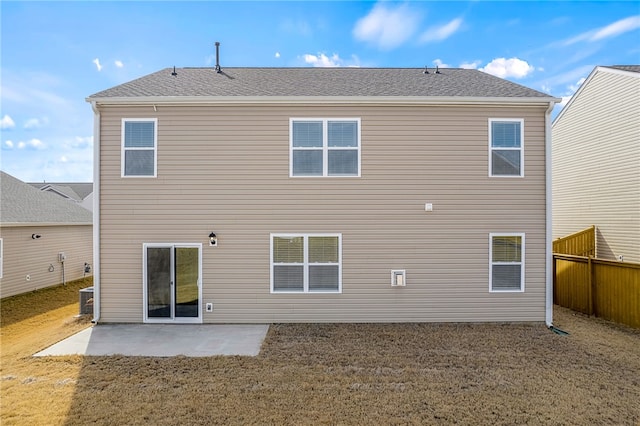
163, 340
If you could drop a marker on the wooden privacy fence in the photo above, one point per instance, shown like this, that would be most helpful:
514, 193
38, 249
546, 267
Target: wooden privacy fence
604, 288
581, 243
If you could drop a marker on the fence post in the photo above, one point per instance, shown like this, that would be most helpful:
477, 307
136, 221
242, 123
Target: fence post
591, 287
555, 281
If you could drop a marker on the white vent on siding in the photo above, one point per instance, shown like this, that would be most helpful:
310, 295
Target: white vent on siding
398, 278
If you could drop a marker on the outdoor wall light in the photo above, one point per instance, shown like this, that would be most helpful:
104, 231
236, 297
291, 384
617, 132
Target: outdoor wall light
35, 236
213, 240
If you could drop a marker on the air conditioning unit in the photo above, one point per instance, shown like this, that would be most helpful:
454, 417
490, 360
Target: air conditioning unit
86, 301
398, 278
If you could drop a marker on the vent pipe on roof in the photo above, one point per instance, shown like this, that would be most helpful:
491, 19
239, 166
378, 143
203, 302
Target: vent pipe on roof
426, 70
218, 69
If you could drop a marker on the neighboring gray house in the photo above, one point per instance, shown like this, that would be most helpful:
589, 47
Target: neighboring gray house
79, 192
35, 227
321, 195
596, 162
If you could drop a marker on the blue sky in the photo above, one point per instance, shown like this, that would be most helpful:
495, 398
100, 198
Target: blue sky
55, 54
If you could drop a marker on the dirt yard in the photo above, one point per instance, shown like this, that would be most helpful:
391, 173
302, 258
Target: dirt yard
494, 374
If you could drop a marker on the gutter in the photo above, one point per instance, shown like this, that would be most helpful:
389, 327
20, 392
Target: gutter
549, 218
32, 224
297, 100
96, 212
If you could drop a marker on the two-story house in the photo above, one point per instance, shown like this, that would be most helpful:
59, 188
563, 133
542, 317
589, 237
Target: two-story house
263, 195
596, 162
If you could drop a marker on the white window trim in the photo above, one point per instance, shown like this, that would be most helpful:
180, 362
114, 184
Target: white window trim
155, 147
325, 147
522, 259
521, 149
305, 264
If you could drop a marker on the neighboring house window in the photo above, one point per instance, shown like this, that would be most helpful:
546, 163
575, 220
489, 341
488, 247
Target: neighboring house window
506, 265
139, 143
506, 147
324, 147
306, 263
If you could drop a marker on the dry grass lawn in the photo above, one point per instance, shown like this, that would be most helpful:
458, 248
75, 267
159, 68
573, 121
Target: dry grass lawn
496, 374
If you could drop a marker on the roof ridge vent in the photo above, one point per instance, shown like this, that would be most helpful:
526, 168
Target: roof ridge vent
218, 69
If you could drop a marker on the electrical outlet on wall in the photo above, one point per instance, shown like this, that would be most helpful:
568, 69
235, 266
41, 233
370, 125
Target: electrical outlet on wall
209, 307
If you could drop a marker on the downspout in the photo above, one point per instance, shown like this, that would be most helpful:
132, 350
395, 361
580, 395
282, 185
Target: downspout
549, 218
96, 212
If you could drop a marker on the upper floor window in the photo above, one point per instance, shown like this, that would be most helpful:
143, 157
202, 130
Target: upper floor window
506, 147
324, 147
139, 143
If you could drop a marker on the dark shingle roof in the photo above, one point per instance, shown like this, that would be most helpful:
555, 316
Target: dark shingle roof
21, 203
75, 190
632, 68
338, 82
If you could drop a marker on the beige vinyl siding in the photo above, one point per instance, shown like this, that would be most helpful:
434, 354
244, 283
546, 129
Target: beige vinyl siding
24, 256
596, 165
226, 169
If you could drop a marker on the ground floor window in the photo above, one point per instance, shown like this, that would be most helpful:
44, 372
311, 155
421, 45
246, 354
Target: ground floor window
306, 263
506, 265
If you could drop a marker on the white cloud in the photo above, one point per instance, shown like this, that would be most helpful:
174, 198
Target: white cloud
79, 142
322, 60
470, 65
440, 64
569, 77
386, 26
96, 61
64, 159
298, 27
7, 122
504, 68
34, 123
8, 144
612, 30
619, 27
565, 101
35, 144
118, 64
576, 86
442, 32
277, 55
571, 90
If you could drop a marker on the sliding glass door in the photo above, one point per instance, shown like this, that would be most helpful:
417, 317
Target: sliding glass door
172, 284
